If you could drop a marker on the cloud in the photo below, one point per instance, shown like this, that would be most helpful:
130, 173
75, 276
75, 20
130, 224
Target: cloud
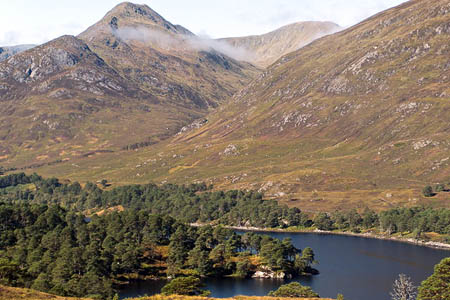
180, 42
10, 38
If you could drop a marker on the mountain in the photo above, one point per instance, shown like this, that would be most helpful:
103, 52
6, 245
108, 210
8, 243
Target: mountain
165, 59
354, 119
358, 118
8, 51
264, 50
128, 81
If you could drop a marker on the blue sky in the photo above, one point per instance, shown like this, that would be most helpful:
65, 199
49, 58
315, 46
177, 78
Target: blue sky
38, 21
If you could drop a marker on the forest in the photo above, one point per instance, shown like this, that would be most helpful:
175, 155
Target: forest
52, 240
199, 203
58, 249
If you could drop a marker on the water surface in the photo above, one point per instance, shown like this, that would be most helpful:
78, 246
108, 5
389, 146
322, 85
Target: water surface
359, 268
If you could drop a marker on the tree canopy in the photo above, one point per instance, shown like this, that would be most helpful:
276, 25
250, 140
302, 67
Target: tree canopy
294, 289
437, 286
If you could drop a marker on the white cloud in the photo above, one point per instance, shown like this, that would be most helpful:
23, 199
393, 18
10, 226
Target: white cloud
31, 21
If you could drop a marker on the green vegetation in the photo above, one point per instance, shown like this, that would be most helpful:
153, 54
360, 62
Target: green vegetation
428, 191
11, 293
52, 249
189, 286
437, 286
197, 203
294, 289
47, 243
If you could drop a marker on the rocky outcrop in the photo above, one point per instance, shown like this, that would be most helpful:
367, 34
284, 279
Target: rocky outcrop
266, 272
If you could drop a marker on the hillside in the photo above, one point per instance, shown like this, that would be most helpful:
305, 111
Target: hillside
362, 114
8, 51
11, 293
359, 118
111, 88
263, 50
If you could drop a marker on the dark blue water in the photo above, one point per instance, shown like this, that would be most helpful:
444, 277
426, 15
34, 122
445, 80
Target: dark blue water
359, 268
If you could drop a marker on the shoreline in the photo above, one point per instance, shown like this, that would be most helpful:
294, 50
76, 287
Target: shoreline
429, 244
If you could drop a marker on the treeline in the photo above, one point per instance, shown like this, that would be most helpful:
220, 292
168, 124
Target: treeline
198, 203
190, 203
55, 250
415, 220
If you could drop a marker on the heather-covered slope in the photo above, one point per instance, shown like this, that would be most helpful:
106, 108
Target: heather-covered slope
11, 293
363, 112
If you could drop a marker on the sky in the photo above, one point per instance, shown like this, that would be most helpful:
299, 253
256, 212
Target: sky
38, 21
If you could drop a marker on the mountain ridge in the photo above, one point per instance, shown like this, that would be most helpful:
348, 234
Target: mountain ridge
269, 47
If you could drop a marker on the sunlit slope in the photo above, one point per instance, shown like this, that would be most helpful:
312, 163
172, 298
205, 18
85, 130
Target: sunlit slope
10, 293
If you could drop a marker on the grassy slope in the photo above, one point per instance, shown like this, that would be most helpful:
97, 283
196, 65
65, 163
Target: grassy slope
10, 293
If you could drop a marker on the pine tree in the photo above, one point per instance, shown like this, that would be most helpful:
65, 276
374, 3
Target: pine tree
437, 286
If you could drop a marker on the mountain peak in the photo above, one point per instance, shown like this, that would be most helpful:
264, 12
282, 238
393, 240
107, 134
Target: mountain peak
128, 10
127, 14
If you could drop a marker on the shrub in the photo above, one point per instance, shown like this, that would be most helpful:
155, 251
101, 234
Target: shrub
294, 289
189, 286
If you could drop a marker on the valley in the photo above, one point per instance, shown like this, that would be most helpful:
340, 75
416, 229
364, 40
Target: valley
334, 125
141, 159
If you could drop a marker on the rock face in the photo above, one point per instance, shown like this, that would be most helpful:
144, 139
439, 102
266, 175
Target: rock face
66, 62
266, 272
264, 50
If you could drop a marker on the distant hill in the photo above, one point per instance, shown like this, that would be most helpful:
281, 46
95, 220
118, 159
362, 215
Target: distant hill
8, 51
265, 49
